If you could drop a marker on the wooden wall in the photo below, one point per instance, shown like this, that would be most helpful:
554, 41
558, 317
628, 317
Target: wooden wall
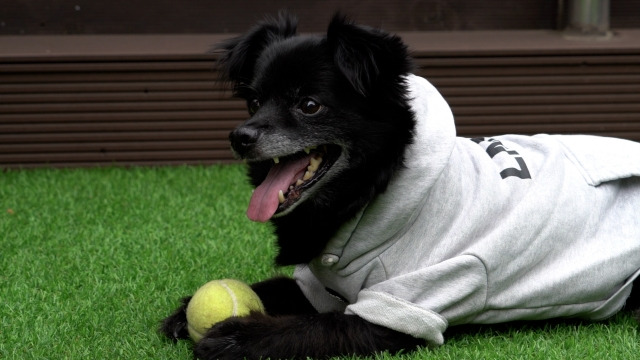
59, 17
68, 101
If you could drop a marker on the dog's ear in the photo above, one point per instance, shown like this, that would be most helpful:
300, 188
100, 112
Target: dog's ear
366, 56
239, 54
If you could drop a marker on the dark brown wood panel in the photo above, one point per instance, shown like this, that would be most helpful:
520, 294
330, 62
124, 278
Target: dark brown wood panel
141, 88
505, 92
215, 98
196, 16
132, 101
26, 139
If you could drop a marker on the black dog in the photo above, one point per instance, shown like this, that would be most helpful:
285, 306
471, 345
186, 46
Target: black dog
399, 228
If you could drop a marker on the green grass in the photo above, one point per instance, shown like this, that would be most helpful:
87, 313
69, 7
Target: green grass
92, 259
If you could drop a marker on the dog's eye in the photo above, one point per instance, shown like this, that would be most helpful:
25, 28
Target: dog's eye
309, 106
253, 106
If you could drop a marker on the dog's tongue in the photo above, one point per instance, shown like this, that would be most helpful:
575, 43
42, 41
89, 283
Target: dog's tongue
264, 201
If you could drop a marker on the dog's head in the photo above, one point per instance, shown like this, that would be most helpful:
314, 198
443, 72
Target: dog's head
329, 118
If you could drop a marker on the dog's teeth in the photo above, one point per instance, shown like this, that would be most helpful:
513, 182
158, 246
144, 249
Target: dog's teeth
307, 150
307, 175
276, 160
280, 196
314, 163
299, 182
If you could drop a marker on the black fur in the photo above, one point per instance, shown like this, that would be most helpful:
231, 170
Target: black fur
317, 336
175, 325
291, 330
356, 74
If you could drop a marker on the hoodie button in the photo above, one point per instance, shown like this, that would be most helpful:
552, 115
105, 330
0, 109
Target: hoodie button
329, 259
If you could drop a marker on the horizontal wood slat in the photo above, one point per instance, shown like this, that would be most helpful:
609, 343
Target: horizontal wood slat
119, 156
131, 136
123, 96
504, 92
546, 99
134, 119
83, 88
108, 148
119, 107
106, 67
127, 107
531, 69
90, 77
497, 80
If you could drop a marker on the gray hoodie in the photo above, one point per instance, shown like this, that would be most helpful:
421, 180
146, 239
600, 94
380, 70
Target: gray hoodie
487, 230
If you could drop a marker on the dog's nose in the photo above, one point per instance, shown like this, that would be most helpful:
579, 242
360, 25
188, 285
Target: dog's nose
243, 138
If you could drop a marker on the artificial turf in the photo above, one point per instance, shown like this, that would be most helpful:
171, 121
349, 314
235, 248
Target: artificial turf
92, 259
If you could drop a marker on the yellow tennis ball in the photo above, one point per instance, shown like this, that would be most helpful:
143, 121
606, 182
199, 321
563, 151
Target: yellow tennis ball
218, 300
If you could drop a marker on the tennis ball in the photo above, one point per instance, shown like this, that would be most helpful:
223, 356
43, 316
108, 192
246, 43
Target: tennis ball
218, 300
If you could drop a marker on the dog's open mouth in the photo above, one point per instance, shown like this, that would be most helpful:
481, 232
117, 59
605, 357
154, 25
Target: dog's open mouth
289, 177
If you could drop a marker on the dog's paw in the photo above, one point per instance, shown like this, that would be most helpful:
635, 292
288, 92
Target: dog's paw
236, 338
259, 336
175, 325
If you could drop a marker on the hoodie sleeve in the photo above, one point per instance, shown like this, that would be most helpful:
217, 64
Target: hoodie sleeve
602, 159
315, 292
424, 302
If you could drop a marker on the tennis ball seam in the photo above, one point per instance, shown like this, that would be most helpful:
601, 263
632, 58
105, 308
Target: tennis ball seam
232, 295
